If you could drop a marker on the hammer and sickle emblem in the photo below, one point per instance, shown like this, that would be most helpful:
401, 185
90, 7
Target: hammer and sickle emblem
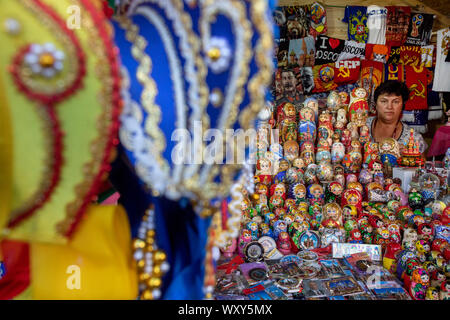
344, 72
418, 93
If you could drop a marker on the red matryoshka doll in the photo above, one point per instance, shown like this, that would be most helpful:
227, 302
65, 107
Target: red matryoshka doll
371, 152
245, 237
284, 243
420, 281
280, 213
390, 256
286, 110
332, 216
333, 192
315, 194
307, 152
344, 100
358, 107
382, 236
445, 290
346, 138
445, 217
355, 236
352, 197
264, 171
425, 231
325, 119
355, 185
275, 201
278, 189
291, 150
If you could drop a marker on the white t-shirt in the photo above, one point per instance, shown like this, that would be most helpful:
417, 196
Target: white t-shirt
353, 49
376, 22
441, 80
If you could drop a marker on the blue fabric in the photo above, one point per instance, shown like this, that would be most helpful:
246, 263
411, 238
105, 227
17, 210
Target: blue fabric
356, 17
180, 233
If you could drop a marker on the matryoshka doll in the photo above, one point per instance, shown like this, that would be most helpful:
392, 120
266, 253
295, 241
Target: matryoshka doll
264, 171
349, 212
376, 170
425, 231
422, 249
355, 236
299, 164
332, 216
285, 110
364, 134
346, 138
278, 227
432, 294
344, 100
409, 239
365, 176
337, 152
313, 104
315, 194
252, 226
390, 256
276, 201
355, 160
358, 108
371, 152
247, 209
420, 281
333, 192
299, 193
307, 152
333, 100
323, 151
283, 166
389, 151
291, 150
310, 174
341, 116
246, 237
266, 230
352, 197
284, 243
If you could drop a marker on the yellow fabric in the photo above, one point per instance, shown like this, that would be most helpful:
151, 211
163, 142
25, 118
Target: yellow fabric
5, 160
79, 116
101, 249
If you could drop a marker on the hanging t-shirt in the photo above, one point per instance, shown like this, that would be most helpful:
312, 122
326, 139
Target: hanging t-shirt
307, 78
280, 20
442, 71
371, 77
282, 52
297, 21
353, 49
318, 20
416, 79
328, 49
397, 25
302, 52
394, 72
376, 23
377, 52
410, 55
419, 31
324, 77
347, 71
427, 55
356, 17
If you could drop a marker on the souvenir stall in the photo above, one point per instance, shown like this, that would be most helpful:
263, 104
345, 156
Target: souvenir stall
333, 214
115, 175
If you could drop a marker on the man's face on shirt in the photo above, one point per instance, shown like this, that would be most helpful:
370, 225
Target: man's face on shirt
289, 82
389, 107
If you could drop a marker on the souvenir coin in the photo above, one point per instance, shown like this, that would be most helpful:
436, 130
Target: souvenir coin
254, 251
